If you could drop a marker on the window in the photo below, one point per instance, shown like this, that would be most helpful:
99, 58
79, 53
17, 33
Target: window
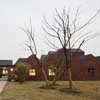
32, 72
51, 72
91, 71
5, 71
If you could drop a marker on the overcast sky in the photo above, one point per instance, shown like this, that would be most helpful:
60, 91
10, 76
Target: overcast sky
15, 13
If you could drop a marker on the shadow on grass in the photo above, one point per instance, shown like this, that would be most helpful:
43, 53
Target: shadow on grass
73, 91
49, 86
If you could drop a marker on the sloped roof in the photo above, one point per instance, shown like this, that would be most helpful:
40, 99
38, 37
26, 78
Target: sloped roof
43, 57
76, 50
72, 50
31, 56
85, 57
5, 62
23, 60
98, 58
51, 52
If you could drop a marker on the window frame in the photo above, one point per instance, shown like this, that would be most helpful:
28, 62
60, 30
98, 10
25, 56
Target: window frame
91, 71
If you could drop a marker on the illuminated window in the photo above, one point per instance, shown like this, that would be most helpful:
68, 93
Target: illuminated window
51, 72
32, 72
5, 71
11, 69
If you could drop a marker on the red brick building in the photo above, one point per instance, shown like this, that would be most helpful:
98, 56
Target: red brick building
84, 67
6, 67
34, 71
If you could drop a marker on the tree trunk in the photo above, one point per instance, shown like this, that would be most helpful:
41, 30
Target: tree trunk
43, 71
70, 78
45, 77
57, 76
69, 68
54, 81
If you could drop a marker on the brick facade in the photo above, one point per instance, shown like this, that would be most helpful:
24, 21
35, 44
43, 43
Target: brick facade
84, 67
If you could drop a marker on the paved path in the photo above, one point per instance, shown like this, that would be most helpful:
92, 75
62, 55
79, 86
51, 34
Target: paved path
2, 85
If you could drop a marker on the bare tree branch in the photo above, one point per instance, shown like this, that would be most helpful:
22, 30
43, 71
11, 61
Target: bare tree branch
30, 36
65, 29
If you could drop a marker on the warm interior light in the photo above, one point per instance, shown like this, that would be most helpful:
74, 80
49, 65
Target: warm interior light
32, 72
51, 73
5, 71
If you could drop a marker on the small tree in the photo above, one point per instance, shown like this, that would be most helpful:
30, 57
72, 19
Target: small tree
31, 45
20, 72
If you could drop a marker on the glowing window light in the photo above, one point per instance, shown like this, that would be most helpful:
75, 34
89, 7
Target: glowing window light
32, 72
5, 71
51, 73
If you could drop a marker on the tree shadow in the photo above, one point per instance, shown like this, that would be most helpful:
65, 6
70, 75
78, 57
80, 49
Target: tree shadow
73, 91
50, 86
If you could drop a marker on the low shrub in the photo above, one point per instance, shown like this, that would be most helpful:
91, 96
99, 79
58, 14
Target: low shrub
20, 72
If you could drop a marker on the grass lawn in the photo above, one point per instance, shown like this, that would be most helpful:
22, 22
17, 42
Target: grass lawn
89, 90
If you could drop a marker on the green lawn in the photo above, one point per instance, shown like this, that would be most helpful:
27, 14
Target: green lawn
89, 90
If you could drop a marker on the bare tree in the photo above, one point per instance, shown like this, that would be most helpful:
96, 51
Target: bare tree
68, 33
31, 45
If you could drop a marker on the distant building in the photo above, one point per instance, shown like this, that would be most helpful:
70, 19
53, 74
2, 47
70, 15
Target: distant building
6, 66
34, 71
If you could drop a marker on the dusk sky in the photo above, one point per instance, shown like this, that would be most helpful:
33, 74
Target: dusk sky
16, 13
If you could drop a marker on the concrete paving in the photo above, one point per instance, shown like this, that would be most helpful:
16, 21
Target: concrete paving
2, 85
